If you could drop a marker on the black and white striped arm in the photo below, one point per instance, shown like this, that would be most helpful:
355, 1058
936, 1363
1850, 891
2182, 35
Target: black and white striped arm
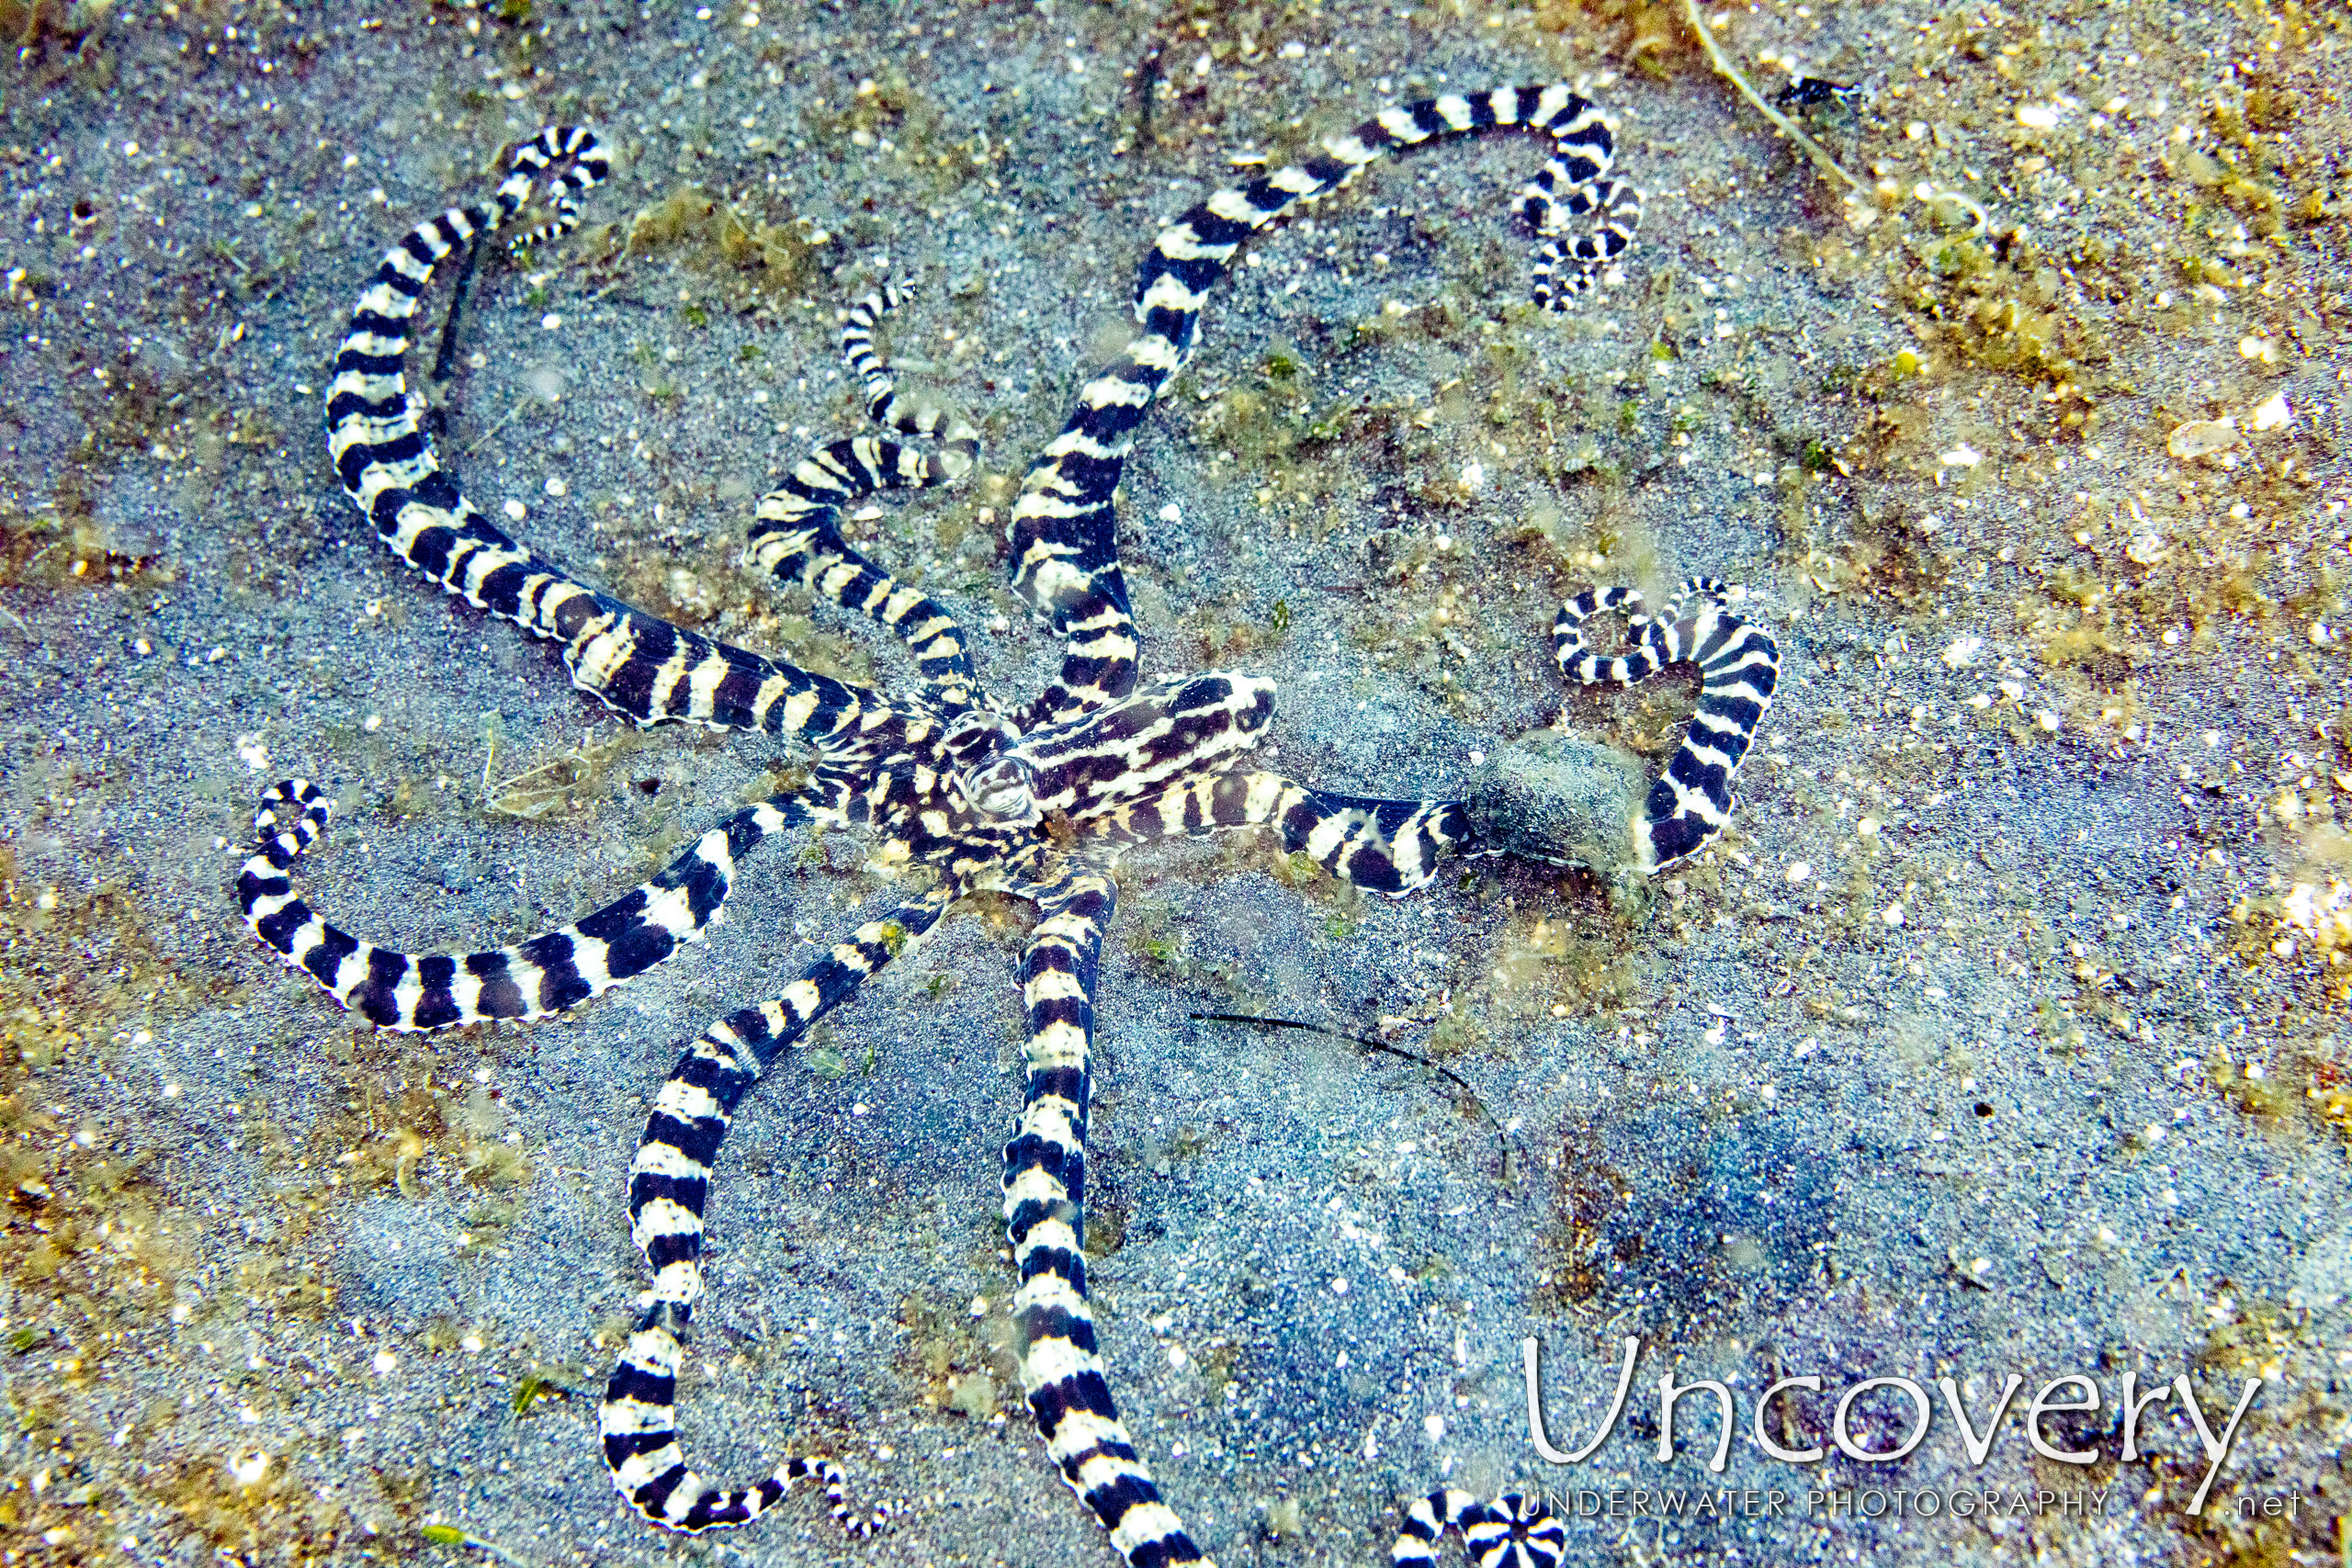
1740, 665
667, 1191
1065, 551
549, 972
795, 533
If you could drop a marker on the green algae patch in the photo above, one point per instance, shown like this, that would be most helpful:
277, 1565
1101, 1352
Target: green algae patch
91, 1227
558, 785
961, 1359
1560, 965
752, 257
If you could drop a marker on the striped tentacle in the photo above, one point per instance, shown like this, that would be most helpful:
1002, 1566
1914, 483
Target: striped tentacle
530, 158
960, 444
795, 534
1065, 554
1642, 657
544, 975
1582, 233
1383, 846
1511, 1532
1132, 749
1740, 665
636, 663
669, 1185
1045, 1211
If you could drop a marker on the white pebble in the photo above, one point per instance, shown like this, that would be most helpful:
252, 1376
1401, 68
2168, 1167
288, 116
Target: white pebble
2203, 437
516, 511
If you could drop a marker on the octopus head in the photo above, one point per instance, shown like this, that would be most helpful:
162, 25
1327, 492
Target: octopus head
971, 738
1000, 783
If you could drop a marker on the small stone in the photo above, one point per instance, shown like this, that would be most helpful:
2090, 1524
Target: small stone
2202, 437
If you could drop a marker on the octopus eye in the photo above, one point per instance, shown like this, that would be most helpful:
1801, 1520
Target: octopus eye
1001, 789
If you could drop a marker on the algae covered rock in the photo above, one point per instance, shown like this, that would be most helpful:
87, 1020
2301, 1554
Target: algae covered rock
1552, 796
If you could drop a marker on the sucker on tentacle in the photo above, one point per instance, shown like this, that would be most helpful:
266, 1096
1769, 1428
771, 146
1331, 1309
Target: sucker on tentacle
1038, 803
